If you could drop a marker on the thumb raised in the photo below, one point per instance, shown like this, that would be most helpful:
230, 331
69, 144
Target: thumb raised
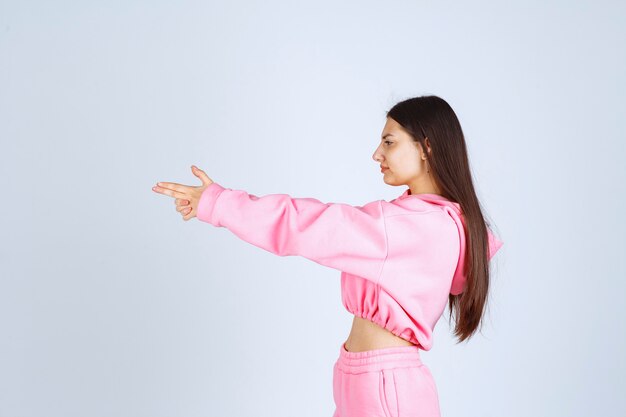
201, 174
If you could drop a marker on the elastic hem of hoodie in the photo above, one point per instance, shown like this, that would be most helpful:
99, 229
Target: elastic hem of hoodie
208, 202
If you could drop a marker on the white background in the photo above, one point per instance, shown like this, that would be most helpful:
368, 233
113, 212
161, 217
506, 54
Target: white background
112, 305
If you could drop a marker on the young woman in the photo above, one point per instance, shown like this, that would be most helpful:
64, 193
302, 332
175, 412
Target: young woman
401, 261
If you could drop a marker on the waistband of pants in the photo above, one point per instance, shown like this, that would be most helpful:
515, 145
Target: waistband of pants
378, 359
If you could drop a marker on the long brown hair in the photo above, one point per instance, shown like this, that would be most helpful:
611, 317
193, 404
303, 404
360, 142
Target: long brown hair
432, 117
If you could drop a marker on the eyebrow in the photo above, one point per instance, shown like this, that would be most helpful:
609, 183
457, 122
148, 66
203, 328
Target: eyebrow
388, 134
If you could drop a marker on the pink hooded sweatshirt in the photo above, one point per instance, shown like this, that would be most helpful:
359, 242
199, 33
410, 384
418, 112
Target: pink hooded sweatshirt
399, 260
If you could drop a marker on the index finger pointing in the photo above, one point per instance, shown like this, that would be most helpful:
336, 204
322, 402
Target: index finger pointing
169, 191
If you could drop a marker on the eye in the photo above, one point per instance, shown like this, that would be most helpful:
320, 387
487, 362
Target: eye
387, 141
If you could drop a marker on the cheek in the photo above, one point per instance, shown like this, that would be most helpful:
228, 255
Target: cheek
407, 165
402, 160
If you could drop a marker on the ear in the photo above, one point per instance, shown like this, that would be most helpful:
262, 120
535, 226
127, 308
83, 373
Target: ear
427, 142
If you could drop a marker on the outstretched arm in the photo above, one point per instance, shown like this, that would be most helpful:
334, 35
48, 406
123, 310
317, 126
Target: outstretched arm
344, 237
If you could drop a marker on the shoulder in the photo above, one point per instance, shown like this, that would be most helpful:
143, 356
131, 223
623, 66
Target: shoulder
421, 218
415, 207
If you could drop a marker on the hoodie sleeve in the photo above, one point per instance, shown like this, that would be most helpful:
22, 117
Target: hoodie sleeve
340, 236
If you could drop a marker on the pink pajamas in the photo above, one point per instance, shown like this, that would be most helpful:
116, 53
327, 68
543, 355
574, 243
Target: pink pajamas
400, 260
387, 382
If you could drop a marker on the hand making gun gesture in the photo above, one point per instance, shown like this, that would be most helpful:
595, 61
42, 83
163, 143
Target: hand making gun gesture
186, 196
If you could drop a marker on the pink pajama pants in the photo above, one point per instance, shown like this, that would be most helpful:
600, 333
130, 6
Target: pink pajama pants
387, 382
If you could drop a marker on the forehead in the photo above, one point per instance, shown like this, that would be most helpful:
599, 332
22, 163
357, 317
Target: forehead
392, 128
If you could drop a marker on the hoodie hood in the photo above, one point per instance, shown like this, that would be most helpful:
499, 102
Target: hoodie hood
454, 211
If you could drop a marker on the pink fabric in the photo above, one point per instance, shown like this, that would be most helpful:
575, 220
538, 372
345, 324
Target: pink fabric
387, 382
399, 260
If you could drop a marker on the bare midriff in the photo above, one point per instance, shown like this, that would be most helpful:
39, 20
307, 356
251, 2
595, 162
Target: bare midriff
367, 335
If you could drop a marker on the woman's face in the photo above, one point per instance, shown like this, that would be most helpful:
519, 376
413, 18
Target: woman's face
402, 156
